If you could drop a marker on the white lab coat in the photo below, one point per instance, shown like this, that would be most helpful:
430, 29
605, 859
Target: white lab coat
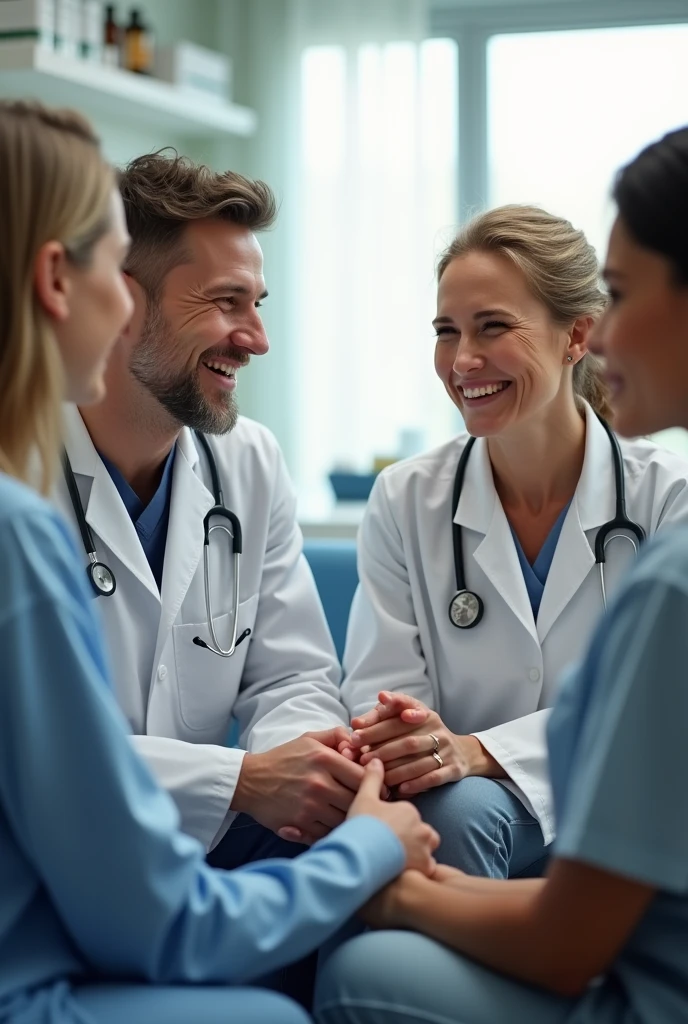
496, 680
178, 698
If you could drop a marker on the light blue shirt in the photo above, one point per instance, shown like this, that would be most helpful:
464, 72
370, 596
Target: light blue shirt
618, 748
535, 575
94, 875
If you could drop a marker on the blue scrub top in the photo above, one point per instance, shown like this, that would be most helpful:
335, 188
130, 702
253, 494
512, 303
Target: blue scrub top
151, 520
96, 880
618, 749
535, 575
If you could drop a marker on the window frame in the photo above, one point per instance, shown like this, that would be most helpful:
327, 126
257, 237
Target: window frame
472, 23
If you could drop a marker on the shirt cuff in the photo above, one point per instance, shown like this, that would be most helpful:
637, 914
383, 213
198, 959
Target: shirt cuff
227, 780
380, 848
522, 784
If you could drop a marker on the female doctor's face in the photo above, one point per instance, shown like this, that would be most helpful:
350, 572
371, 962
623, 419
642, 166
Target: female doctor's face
498, 353
643, 338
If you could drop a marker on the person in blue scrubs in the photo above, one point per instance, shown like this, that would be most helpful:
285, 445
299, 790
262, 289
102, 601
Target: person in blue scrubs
108, 913
603, 939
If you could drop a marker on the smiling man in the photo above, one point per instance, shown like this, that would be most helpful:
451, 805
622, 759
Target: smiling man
145, 484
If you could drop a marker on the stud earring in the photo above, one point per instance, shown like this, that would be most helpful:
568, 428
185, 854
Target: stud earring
569, 359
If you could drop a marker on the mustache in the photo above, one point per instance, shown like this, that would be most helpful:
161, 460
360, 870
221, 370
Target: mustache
236, 355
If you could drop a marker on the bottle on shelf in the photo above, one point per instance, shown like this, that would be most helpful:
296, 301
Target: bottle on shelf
111, 38
91, 33
137, 45
68, 27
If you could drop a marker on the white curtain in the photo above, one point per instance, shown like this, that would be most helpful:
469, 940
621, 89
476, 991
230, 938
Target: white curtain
357, 135
375, 191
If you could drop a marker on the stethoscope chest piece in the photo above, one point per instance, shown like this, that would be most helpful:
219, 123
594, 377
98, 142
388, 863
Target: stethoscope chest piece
465, 609
102, 579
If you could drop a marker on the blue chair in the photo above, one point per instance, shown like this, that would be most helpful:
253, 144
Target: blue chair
333, 563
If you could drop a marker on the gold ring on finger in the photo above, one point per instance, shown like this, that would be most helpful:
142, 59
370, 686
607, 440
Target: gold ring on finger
438, 758
435, 743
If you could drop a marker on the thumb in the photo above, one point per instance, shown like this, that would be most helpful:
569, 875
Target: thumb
371, 784
294, 835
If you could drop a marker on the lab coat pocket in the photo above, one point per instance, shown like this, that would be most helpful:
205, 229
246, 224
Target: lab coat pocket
208, 684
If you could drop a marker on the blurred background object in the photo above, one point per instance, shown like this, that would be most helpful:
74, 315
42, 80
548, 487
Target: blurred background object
380, 124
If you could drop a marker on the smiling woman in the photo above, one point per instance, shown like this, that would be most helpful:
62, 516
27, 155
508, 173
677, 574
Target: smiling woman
602, 939
460, 708
550, 274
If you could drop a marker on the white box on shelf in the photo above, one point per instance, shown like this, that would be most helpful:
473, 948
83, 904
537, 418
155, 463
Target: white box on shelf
68, 27
28, 19
195, 69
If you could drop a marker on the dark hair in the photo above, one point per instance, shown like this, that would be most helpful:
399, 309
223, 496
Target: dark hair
651, 193
163, 192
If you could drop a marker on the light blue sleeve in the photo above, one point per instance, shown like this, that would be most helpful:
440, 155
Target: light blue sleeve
133, 892
625, 796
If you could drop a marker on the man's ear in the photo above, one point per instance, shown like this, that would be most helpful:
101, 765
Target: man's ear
51, 280
133, 324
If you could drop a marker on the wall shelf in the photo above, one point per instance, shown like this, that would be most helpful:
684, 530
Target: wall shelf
32, 71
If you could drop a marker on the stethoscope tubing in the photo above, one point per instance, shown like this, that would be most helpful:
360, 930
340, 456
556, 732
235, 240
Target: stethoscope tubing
466, 608
103, 580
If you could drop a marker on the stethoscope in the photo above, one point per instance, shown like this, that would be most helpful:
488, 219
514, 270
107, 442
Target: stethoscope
102, 578
466, 608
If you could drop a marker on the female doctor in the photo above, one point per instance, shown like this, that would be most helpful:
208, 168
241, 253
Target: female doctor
467, 683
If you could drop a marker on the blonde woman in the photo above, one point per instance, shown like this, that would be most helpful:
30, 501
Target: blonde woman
467, 681
106, 908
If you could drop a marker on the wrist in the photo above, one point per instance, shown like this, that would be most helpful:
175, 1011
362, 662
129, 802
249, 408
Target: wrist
482, 762
411, 897
472, 756
247, 788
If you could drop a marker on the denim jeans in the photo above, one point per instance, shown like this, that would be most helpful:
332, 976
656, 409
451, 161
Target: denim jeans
392, 977
128, 1003
485, 829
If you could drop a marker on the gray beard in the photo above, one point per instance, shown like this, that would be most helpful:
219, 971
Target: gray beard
181, 394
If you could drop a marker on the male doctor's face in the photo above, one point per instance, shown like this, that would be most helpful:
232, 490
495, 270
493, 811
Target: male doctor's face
498, 352
204, 327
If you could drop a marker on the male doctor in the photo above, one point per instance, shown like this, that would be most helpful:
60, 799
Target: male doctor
195, 271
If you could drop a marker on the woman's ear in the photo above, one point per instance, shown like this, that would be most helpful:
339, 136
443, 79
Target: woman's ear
578, 339
51, 280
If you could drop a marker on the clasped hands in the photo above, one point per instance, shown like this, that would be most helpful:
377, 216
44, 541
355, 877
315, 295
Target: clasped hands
305, 788
417, 749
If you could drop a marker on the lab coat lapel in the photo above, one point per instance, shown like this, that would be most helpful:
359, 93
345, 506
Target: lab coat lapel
190, 501
592, 505
104, 508
480, 509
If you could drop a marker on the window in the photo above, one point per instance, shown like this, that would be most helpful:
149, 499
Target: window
567, 109
378, 172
